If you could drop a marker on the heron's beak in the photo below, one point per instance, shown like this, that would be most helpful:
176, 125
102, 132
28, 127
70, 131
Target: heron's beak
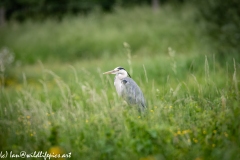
110, 72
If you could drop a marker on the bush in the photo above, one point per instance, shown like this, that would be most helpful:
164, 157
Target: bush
42, 9
222, 24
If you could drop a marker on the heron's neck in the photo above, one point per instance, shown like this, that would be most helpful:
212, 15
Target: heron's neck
121, 75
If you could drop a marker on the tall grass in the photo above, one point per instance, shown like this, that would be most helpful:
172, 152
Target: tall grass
70, 106
190, 117
101, 35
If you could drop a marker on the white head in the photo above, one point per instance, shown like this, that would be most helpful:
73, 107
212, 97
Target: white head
120, 72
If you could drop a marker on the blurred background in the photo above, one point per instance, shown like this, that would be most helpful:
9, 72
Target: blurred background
184, 55
74, 29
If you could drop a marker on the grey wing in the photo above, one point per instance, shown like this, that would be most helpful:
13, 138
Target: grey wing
132, 93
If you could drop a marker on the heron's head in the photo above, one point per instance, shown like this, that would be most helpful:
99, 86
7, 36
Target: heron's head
119, 71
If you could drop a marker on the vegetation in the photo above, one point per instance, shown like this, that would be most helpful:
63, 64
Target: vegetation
42, 9
102, 35
55, 98
222, 23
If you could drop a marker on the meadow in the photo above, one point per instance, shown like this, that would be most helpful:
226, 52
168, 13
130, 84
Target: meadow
55, 98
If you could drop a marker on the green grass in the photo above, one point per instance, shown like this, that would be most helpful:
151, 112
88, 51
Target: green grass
188, 117
193, 100
102, 35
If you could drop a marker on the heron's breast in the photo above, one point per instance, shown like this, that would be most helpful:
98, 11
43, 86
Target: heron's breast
118, 86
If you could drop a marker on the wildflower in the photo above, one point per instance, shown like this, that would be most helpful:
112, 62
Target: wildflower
152, 110
178, 132
186, 131
139, 117
28, 117
86, 121
225, 134
195, 140
213, 145
204, 132
56, 151
170, 107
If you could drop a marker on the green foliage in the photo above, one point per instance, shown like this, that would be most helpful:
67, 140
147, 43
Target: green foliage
195, 116
102, 35
222, 22
65, 104
43, 9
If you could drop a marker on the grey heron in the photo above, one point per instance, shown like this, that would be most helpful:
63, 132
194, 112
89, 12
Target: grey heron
127, 88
